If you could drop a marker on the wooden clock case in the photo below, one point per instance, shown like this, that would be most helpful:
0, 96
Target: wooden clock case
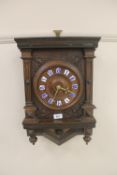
78, 119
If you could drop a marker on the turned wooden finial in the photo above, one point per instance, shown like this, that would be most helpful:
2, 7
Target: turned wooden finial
57, 32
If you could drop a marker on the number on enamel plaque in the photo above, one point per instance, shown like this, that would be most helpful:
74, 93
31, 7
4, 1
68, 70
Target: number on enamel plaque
72, 94
66, 72
67, 100
45, 95
58, 70
59, 103
44, 79
75, 86
50, 101
72, 78
42, 87
50, 72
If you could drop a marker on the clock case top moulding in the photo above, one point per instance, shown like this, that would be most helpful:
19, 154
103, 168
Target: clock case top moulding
80, 120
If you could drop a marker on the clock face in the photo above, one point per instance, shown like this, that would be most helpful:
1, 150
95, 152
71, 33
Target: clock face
58, 85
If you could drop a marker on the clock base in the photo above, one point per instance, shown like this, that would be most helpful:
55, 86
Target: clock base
59, 131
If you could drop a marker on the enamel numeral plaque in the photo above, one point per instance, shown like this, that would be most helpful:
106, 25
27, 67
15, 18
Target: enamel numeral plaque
58, 79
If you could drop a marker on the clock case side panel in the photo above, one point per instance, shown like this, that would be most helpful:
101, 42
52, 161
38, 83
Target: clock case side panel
58, 131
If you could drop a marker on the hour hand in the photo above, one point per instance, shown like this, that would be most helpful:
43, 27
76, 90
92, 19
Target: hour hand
56, 92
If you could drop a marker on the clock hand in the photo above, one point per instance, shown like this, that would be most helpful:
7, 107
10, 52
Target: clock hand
57, 89
70, 91
67, 90
63, 88
55, 94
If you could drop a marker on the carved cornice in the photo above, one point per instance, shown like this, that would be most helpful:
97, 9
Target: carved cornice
104, 38
57, 42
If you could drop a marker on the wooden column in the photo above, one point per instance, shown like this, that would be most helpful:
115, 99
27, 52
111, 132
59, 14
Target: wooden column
27, 63
27, 59
88, 106
89, 55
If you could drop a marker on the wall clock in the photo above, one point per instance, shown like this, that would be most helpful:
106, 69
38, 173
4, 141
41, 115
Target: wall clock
58, 75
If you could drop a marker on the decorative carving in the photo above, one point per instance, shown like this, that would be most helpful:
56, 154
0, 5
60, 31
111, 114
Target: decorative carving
30, 110
88, 109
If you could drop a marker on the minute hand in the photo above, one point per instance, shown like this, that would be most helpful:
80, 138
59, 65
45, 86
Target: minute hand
67, 90
70, 91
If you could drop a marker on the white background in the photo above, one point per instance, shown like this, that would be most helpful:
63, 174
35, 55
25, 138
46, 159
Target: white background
75, 17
